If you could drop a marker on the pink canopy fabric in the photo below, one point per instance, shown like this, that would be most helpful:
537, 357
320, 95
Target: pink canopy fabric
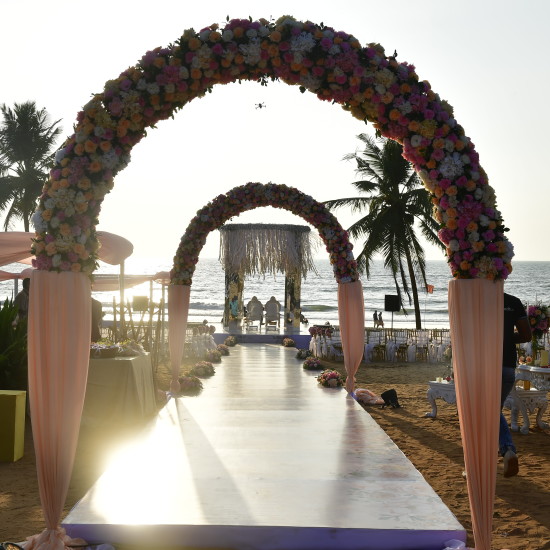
178, 308
6, 275
351, 315
111, 282
476, 310
58, 355
15, 246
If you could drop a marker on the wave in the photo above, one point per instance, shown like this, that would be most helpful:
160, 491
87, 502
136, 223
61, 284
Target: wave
318, 307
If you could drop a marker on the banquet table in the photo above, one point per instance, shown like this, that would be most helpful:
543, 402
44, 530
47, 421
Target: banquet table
119, 391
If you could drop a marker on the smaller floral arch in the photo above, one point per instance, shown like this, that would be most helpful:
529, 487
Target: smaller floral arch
255, 195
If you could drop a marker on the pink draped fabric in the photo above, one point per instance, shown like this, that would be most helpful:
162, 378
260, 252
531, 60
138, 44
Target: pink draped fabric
59, 351
6, 275
111, 282
351, 315
178, 308
476, 310
15, 246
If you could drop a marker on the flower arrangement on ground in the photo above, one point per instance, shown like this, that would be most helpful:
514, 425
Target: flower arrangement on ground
230, 341
203, 369
312, 363
303, 354
331, 379
288, 343
190, 384
213, 355
223, 349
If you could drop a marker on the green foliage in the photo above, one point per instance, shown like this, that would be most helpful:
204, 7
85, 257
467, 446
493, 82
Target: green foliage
13, 349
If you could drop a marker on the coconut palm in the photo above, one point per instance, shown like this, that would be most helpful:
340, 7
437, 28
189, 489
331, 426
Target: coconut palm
394, 200
27, 138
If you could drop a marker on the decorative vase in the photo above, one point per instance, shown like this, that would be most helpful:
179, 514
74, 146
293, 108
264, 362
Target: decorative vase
534, 348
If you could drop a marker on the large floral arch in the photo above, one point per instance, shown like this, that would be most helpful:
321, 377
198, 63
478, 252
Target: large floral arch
334, 66
330, 64
255, 195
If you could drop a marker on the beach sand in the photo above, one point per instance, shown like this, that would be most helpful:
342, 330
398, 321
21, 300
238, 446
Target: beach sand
522, 505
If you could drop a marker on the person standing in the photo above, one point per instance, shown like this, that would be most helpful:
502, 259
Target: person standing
516, 331
21, 301
375, 318
380, 321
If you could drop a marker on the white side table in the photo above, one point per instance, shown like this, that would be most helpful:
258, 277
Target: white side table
439, 390
526, 401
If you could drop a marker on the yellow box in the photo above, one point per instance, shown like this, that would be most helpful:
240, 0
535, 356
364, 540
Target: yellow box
12, 425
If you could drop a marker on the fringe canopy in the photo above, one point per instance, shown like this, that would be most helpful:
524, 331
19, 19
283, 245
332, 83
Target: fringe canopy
257, 249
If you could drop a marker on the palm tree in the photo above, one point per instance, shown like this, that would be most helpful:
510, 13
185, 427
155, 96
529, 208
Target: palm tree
395, 199
27, 139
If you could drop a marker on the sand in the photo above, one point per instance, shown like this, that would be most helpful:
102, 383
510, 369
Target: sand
522, 506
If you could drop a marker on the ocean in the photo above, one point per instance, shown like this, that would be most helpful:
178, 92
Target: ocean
529, 281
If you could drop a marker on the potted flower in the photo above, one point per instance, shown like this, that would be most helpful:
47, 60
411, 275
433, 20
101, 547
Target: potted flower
288, 343
539, 320
303, 354
189, 384
230, 341
331, 379
223, 349
203, 369
312, 363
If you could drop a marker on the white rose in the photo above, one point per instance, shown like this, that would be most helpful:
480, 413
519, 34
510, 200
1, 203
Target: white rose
465, 159
454, 245
153, 88
380, 89
60, 155
227, 35
251, 33
69, 211
38, 222
203, 35
56, 260
54, 222
416, 140
142, 84
449, 146
49, 204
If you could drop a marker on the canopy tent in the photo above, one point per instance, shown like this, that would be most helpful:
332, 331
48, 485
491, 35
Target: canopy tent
260, 249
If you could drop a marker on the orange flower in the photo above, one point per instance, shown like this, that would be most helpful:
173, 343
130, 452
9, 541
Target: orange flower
438, 143
214, 36
79, 149
238, 32
464, 265
105, 146
470, 185
90, 146
84, 183
47, 215
194, 43
65, 229
414, 125
452, 213
395, 114
438, 192
95, 166
451, 223
478, 246
275, 36
451, 190
431, 164
64, 183
459, 145
472, 226
405, 88
196, 73
76, 268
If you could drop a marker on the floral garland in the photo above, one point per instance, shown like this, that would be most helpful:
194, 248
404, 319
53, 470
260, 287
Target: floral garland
288, 342
254, 195
331, 379
312, 363
331, 64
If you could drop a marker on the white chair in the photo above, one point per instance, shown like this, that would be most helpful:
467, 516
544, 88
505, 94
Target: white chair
272, 314
254, 312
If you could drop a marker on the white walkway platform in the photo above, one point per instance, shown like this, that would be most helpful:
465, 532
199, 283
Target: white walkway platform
264, 459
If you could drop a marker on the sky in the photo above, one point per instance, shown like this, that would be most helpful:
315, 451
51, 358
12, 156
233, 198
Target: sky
488, 59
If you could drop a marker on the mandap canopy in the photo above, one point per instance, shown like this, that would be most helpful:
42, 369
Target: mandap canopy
335, 67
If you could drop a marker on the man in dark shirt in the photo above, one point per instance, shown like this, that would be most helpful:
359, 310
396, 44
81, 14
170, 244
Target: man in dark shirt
515, 317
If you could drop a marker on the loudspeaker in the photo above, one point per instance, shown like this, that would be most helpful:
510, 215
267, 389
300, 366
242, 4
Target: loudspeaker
391, 302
